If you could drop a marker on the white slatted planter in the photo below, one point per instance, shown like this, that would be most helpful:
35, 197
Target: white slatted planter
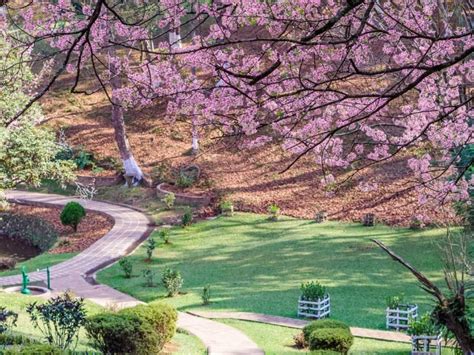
426, 345
398, 318
314, 309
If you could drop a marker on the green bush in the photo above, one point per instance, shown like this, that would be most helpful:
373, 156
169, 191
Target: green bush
150, 248
206, 295
7, 319
28, 229
122, 333
335, 339
169, 200
34, 349
184, 180
227, 208
172, 281
84, 159
394, 302
126, 266
312, 291
422, 326
160, 316
165, 235
72, 214
187, 218
274, 211
149, 276
14, 339
59, 319
323, 324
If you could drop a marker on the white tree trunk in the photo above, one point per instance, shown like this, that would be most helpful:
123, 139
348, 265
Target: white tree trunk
175, 39
133, 173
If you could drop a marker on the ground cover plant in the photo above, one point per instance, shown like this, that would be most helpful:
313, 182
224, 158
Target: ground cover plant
257, 265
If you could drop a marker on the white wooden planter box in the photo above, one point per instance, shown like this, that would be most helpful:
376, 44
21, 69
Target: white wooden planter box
398, 318
314, 309
426, 345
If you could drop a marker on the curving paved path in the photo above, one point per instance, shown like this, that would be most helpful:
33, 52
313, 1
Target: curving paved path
130, 228
299, 324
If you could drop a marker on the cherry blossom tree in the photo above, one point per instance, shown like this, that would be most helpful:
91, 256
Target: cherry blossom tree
351, 83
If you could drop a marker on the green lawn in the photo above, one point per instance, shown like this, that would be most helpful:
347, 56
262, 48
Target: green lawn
38, 263
255, 265
279, 340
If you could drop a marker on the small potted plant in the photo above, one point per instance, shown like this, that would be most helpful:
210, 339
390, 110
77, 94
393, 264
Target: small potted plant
398, 313
227, 208
274, 212
425, 336
314, 301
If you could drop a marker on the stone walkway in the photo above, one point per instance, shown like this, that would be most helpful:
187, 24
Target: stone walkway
299, 324
130, 228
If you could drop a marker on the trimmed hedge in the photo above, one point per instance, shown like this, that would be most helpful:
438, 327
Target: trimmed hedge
118, 333
323, 324
143, 329
28, 229
335, 339
162, 318
72, 214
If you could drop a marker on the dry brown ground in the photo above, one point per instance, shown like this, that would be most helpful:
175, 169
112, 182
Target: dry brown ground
252, 179
93, 227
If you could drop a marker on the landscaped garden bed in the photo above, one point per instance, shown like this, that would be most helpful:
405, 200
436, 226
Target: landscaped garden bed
63, 244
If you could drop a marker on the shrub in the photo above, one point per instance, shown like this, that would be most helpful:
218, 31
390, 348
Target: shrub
150, 247
187, 218
84, 159
335, 339
323, 324
274, 211
7, 320
28, 229
120, 333
394, 302
312, 291
184, 180
59, 319
149, 275
7, 263
160, 316
72, 214
299, 340
422, 326
172, 281
165, 235
227, 208
206, 294
127, 267
35, 349
320, 216
14, 339
169, 200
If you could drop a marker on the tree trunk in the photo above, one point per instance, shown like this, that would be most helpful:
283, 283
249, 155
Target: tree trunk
133, 173
130, 166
